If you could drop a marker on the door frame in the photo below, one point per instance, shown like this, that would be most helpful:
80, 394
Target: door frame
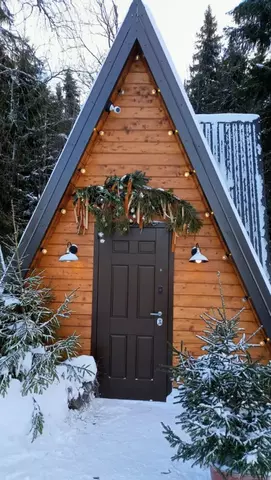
170, 296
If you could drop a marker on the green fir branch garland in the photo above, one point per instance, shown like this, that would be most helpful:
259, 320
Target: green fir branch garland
124, 201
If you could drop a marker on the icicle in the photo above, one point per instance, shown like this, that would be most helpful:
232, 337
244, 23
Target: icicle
86, 205
163, 205
75, 213
138, 214
127, 197
170, 213
130, 202
173, 241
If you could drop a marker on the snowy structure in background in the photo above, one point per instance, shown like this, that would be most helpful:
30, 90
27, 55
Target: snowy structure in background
234, 140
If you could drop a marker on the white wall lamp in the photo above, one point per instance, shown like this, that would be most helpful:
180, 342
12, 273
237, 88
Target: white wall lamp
197, 256
70, 255
110, 107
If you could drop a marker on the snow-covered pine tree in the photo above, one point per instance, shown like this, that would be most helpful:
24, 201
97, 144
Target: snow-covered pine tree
203, 85
225, 401
30, 349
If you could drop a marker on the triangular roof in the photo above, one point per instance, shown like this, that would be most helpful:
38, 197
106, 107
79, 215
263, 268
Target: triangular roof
138, 26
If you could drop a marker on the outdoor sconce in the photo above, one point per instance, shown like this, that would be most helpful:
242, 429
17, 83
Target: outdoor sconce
70, 255
197, 256
112, 108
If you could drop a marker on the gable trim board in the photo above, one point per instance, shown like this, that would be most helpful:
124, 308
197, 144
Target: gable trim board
138, 27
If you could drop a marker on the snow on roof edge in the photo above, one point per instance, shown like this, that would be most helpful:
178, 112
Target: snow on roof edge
227, 117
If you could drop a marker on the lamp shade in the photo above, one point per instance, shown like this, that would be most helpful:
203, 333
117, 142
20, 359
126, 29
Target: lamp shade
197, 256
70, 255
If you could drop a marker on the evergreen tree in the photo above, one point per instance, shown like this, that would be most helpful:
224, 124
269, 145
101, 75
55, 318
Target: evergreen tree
30, 348
253, 18
253, 32
232, 96
71, 101
225, 397
33, 131
203, 85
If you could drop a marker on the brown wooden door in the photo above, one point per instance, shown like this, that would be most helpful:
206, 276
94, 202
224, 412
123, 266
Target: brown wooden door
133, 282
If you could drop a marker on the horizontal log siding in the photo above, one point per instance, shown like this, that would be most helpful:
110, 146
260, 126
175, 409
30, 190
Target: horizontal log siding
138, 139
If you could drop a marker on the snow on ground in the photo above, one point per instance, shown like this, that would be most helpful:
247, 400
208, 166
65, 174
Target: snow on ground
112, 440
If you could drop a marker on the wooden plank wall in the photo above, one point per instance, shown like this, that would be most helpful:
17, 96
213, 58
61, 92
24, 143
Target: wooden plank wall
138, 139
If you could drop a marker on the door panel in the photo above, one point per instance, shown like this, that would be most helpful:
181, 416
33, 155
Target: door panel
133, 275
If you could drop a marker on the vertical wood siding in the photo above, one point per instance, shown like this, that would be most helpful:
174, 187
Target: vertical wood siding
138, 139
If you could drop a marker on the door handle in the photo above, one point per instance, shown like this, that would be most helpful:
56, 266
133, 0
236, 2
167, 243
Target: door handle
156, 314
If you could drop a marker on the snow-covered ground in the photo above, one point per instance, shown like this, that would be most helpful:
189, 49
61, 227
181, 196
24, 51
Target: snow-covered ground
112, 440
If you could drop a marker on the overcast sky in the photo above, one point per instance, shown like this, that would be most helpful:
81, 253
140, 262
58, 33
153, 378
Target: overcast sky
180, 20
177, 20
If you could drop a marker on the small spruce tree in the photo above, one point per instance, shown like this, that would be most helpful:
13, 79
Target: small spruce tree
30, 350
226, 402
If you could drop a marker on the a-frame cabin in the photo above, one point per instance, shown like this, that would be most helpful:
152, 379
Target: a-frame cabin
122, 281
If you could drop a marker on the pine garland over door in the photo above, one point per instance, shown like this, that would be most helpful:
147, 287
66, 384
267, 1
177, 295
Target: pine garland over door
128, 200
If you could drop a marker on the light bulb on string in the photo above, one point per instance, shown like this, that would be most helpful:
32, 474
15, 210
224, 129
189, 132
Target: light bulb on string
189, 172
207, 214
101, 133
82, 170
43, 251
63, 211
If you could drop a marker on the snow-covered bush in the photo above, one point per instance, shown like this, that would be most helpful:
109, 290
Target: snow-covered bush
30, 350
17, 412
226, 402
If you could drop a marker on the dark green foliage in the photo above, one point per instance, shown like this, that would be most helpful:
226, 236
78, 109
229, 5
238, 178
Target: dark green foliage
226, 401
203, 85
128, 200
71, 102
237, 80
30, 125
37, 421
29, 346
253, 18
252, 32
34, 122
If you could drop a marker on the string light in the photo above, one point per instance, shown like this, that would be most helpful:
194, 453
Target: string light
63, 211
101, 133
226, 256
172, 132
82, 170
137, 57
207, 214
188, 173
245, 298
154, 91
121, 91
44, 251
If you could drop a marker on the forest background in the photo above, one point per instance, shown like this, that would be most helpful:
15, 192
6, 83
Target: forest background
39, 103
